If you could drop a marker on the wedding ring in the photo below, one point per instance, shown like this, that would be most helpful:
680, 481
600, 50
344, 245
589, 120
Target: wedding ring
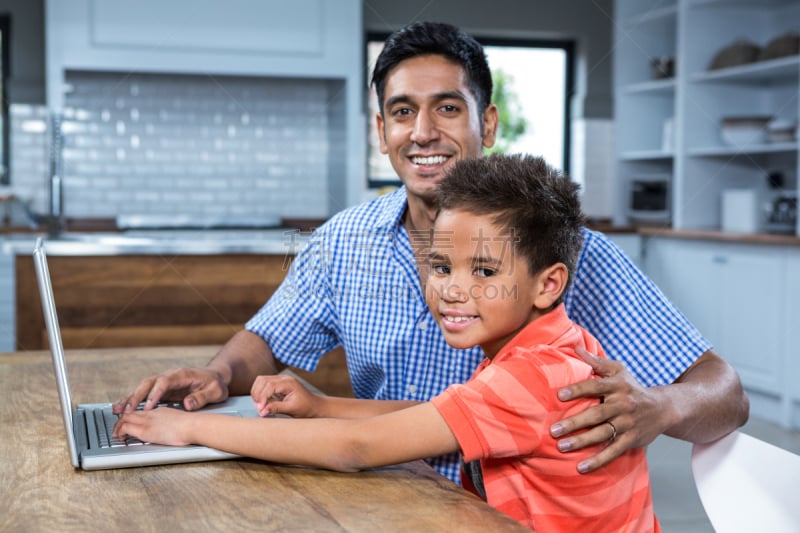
613, 430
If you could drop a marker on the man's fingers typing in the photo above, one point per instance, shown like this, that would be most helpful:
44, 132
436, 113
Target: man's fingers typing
195, 387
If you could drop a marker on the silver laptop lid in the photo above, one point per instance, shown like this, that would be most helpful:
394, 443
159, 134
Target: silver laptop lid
56, 348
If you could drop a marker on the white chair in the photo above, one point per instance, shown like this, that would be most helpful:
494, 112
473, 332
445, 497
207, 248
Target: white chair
746, 484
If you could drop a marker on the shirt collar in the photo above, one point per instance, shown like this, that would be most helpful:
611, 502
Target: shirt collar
394, 206
547, 329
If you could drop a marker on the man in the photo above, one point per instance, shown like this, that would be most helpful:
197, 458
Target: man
357, 284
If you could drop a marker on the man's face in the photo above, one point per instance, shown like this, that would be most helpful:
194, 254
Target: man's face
430, 120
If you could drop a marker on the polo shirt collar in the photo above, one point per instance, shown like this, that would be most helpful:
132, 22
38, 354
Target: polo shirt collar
547, 329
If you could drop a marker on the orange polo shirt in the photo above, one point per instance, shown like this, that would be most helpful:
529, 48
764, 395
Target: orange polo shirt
502, 417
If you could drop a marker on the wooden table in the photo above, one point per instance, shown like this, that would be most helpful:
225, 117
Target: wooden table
40, 491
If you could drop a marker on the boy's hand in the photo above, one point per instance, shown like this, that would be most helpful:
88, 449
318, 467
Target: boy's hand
285, 395
163, 425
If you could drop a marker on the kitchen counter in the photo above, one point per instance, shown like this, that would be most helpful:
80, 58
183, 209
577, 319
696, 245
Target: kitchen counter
717, 235
162, 242
288, 240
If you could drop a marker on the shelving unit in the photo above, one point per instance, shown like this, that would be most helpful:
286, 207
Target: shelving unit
672, 126
704, 276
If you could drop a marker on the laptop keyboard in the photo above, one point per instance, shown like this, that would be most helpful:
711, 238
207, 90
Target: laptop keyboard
105, 420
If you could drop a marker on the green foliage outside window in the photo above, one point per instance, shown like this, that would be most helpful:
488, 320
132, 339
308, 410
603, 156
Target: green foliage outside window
511, 122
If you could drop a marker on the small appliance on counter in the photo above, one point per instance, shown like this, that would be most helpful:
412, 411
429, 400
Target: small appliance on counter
740, 211
649, 201
782, 213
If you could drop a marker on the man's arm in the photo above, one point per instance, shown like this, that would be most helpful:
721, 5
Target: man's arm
706, 402
232, 371
241, 359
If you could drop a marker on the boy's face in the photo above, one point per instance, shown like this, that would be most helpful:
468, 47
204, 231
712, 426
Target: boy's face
479, 290
430, 120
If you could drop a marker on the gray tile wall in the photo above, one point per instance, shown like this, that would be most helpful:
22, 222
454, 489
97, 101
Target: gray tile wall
164, 144
29, 162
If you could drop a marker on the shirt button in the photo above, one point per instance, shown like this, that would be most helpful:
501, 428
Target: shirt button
423, 326
412, 389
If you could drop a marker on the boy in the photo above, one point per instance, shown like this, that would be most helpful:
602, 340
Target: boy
503, 248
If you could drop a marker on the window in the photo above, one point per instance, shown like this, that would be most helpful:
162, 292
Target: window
532, 79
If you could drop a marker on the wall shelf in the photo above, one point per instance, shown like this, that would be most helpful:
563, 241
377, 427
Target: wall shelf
646, 155
785, 68
655, 15
654, 86
673, 126
726, 151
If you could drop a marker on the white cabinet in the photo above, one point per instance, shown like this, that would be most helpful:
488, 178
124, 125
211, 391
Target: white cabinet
7, 322
671, 126
790, 345
630, 243
644, 104
684, 271
320, 39
738, 296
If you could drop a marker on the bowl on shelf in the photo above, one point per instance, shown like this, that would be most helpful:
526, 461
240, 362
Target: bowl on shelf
740, 52
784, 45
745, 130
782, 131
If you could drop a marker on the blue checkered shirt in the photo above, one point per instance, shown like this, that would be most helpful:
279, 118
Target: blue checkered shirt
355, 284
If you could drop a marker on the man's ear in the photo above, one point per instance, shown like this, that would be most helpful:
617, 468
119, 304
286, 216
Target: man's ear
551, 284
381, 133
489, 126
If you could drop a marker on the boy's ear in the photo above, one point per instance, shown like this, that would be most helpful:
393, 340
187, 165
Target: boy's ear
552, 282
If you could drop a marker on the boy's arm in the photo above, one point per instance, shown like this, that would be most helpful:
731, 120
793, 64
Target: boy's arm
286, 395
338, 444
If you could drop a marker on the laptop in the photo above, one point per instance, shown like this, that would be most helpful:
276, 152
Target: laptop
88, 425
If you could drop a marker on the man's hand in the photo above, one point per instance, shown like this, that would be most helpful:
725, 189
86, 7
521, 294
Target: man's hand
630, 416
286, 395
196, 387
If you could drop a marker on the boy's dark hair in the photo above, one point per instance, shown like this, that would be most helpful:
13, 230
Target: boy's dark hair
436, 38
538, 204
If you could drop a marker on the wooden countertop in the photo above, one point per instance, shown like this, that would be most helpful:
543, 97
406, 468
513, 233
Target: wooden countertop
717, 235
605, 225
40, 491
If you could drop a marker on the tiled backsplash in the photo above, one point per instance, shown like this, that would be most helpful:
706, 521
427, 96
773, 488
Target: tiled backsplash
166, 144
593, 165
29, 161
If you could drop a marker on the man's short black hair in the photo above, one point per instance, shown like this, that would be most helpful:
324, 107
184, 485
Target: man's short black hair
436, 38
